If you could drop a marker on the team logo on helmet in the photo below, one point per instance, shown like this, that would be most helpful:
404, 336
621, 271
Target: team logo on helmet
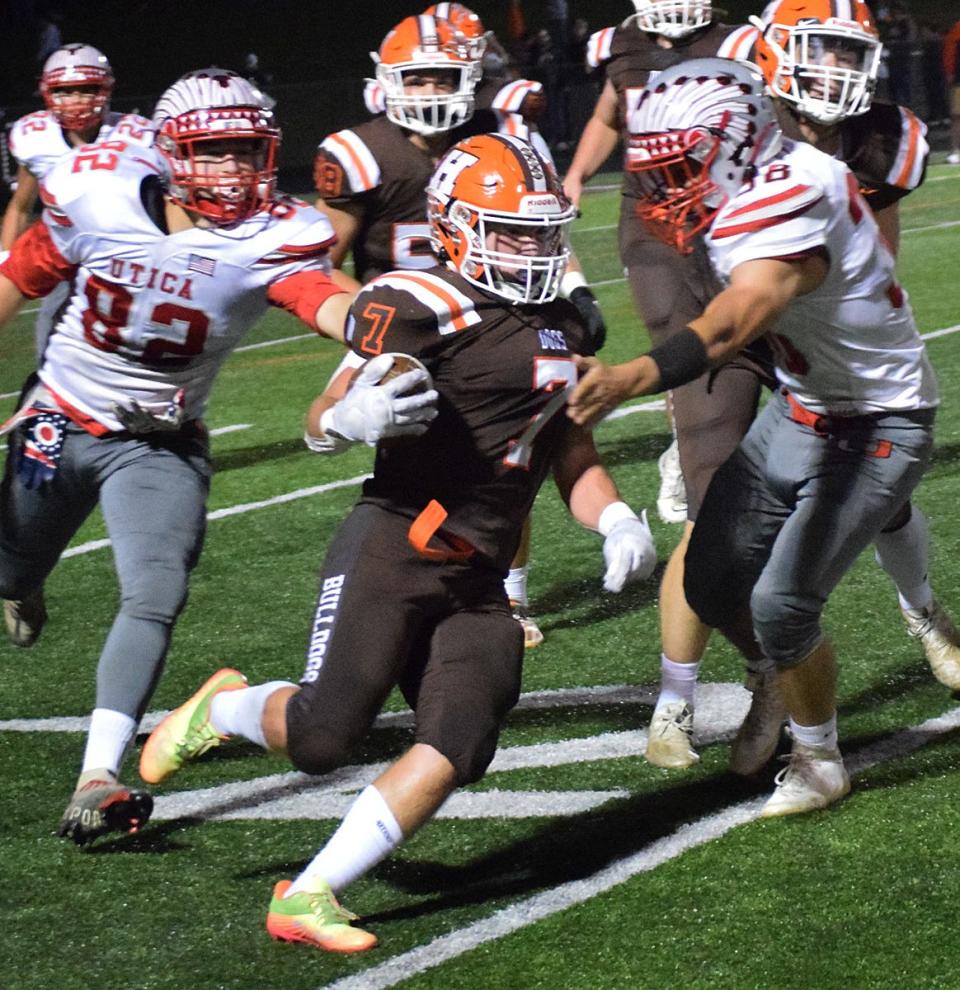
697, 134
498, 215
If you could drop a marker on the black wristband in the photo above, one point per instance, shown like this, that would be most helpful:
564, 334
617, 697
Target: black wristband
680, 359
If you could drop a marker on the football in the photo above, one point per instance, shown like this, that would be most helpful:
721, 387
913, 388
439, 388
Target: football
403, 363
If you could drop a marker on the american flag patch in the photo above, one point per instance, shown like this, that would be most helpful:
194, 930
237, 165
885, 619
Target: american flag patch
197, 263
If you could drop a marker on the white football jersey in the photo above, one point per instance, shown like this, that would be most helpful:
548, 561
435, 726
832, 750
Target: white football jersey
851, 345
38, 142
152, 313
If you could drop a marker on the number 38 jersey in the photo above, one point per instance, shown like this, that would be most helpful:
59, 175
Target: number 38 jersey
37, 141
850, 346
496, 367
152, 312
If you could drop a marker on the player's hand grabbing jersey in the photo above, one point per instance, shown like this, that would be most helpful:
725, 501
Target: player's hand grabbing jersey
375, 166
152, 312
851, 345
38, 142
496, 367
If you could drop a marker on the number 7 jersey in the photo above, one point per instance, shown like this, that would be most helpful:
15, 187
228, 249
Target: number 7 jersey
154, 312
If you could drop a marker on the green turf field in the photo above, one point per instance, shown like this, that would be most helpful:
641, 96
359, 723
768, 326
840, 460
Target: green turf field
574, 863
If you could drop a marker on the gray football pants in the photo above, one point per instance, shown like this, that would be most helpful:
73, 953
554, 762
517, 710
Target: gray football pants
786, 516
152, 492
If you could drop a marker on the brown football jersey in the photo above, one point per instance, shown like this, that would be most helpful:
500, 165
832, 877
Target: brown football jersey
377, 167
496, 367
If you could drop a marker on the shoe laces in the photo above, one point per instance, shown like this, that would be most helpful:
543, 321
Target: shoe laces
682, 718
800, 773
329, 910
199, 740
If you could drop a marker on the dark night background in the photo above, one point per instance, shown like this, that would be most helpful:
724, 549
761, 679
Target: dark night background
315, 50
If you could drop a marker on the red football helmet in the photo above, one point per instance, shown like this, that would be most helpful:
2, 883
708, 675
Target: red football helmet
220, 143
76, 83
672, 18
465, 21
698, 132
821, 56
498, 216
427, 45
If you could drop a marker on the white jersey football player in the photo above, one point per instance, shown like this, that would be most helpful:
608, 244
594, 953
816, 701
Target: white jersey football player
173, 252
835, 455
76, 83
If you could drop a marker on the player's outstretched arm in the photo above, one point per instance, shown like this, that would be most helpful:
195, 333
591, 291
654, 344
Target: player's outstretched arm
594, 501
758, 293
597, 143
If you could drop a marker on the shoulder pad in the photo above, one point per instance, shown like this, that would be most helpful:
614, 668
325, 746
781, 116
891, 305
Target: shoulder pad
738, 44
599, 46
344, 162
300, 232
423, 298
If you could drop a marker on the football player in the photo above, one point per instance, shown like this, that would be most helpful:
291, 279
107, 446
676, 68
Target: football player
371, 180
513, 96
820, 64
834, 456
173, 253
667, 290
76, 83
426, 547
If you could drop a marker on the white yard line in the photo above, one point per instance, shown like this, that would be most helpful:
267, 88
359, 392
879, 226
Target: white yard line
527, 912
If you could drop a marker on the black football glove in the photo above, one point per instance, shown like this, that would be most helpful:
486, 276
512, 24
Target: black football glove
589, 308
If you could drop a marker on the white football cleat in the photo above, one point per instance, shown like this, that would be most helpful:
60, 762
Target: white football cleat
670, 738
532, 633
759, 734
813, 779
672, 497
940, 639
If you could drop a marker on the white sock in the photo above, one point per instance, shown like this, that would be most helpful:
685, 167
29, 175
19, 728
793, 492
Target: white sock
107, 741
816, 736
240, 712
367, 834
515, 584
903, 554
678, 682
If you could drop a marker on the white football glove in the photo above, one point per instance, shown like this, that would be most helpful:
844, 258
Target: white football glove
135, 419
629, 553
370, 412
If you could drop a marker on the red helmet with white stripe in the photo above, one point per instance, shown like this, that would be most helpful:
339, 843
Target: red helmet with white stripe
820, 56
428, 72
220, 143
76, 83
697, 134
673, 18
499, 216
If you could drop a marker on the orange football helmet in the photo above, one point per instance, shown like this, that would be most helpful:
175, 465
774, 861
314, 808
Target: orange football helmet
820, 56
498, 216
465, 21
76, 83
424, 46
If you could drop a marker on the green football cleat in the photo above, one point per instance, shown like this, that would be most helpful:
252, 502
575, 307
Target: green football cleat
317, 918
186, 732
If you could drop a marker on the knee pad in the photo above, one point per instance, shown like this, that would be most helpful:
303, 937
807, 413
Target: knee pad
318, 751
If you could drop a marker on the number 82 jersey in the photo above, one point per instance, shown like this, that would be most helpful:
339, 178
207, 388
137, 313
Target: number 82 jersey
154, 312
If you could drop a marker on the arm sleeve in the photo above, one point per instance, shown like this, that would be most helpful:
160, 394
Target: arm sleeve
302, 294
